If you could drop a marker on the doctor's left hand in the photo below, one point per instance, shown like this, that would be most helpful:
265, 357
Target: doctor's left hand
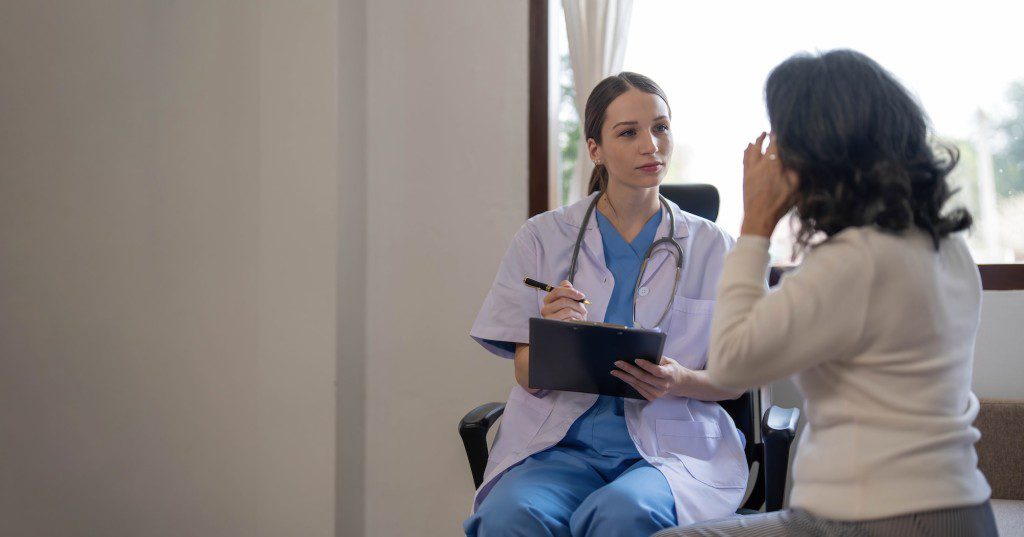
653, 381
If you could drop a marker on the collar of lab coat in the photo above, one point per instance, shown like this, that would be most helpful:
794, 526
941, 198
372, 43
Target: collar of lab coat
574, 215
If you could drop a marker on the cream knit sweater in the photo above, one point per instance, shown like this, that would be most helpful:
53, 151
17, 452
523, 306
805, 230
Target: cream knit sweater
878, 330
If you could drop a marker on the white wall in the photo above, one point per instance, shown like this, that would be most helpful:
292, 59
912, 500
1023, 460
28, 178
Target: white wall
447, 104
168, 252
999, 351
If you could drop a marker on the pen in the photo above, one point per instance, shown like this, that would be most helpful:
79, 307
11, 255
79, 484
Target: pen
530, 282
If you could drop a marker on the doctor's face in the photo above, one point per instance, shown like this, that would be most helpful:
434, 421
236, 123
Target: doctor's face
636, 140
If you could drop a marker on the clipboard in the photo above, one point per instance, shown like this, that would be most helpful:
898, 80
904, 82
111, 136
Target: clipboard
578, 356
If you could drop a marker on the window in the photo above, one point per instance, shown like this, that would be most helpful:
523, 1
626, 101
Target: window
712, 59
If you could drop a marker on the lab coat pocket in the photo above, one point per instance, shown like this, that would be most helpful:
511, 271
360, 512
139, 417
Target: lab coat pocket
523, 417
703, 451
689, 331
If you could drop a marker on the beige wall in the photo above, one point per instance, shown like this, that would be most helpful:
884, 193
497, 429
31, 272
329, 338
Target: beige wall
168, 252
351, 431
446, 153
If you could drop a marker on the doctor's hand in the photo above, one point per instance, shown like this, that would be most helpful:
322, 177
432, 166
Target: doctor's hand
768, 188
561, 304
653, 381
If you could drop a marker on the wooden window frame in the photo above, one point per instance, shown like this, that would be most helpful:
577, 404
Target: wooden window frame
994, 277
537, 145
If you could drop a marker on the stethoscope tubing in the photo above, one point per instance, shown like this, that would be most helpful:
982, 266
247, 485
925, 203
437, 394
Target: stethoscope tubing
670, 239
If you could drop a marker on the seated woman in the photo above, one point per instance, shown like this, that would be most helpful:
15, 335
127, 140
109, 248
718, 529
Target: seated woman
877, 324
566, 463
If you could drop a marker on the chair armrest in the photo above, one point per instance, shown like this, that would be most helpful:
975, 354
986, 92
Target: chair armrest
482, 416
473, 429
778, 428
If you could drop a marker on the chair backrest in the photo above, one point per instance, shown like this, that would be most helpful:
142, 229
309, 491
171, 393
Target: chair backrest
699, 199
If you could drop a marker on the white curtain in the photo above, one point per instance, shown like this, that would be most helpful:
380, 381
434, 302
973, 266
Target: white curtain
596, 30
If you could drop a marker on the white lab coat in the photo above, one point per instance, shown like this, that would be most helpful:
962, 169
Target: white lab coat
693, 443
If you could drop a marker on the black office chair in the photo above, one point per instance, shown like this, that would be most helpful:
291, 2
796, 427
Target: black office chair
778, 425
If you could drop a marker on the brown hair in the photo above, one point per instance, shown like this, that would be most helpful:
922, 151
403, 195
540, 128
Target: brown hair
604, 93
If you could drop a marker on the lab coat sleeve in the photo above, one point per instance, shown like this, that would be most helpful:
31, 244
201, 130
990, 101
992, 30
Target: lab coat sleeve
816, 314
504, 318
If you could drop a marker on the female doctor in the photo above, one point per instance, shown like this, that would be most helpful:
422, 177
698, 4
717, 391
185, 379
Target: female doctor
566, 463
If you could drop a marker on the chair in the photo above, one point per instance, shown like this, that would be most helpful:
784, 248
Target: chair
699, 199
777, 425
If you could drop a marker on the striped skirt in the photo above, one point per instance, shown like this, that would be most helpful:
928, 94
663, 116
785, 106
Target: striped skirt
973, 521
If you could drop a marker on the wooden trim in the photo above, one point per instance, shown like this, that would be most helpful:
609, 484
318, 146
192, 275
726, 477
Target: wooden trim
1008, 277
537, 128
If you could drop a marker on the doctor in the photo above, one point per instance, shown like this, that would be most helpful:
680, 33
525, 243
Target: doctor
567, 463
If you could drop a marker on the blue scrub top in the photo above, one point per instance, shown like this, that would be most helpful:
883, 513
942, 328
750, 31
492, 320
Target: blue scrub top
603, 427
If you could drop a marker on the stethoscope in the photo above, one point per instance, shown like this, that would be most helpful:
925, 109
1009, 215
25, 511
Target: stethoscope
647, 256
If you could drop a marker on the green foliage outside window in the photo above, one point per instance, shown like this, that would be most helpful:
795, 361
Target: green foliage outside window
1009, 161
569, 128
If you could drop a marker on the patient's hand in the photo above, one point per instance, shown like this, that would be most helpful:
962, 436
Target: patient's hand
768, 188
671, 378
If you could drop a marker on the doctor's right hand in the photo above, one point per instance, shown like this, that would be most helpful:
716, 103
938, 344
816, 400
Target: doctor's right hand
561, 304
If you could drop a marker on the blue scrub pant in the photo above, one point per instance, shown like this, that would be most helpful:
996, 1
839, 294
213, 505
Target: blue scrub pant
566, 491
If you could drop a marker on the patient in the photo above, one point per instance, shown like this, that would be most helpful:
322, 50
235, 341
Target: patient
878, 323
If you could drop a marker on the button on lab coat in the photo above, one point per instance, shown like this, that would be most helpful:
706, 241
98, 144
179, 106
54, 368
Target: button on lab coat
693, 443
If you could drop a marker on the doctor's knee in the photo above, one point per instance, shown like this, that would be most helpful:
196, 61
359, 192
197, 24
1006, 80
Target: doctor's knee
508, 519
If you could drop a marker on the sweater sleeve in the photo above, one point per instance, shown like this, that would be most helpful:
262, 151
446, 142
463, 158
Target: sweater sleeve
816, 314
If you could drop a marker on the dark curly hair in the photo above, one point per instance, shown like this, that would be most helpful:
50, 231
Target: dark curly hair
859, 143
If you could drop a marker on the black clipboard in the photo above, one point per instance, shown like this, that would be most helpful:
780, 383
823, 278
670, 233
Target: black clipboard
578, 356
